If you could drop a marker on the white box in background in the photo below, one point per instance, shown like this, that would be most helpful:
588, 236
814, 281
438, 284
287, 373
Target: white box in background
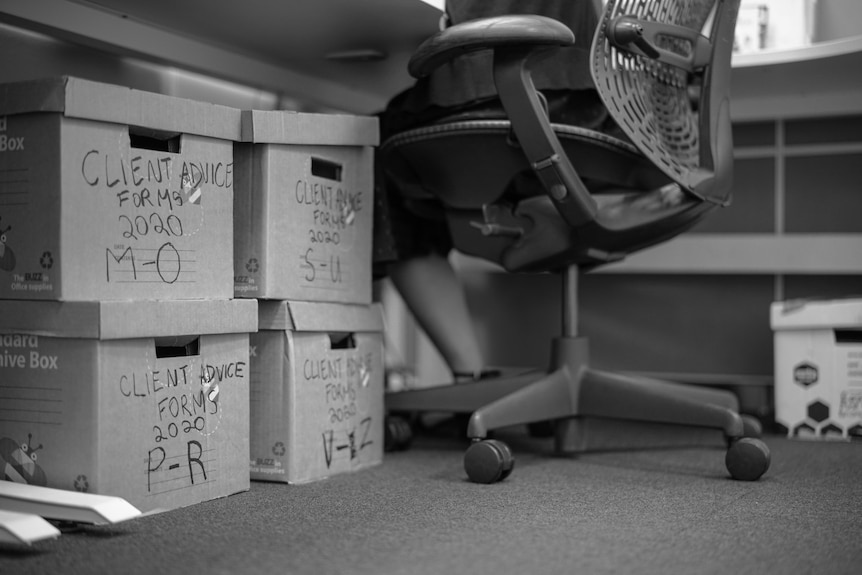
818, 367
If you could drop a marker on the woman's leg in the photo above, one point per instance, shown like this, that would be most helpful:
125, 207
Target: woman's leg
433, 293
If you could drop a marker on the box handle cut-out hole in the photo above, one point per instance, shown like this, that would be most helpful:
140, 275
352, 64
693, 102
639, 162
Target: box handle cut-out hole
342, 340
155, 140
325, 169
848, 336
188, 346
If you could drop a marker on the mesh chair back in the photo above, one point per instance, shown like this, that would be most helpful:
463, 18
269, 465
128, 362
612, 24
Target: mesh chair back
662, 68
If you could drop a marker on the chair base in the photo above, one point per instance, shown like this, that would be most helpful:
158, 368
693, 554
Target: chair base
571, 393
592, 434
580, 400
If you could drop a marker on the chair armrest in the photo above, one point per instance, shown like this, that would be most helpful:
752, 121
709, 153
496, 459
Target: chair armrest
486, 33
515, 39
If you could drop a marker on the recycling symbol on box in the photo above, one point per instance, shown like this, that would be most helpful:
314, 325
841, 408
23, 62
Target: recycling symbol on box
46, 261
81, 483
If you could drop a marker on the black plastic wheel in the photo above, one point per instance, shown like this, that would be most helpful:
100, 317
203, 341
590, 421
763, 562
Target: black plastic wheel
751, 426
488, 461
398, 434
747, 459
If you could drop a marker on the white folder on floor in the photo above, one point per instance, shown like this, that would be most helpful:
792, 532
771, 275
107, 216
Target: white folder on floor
24, 528
63, 505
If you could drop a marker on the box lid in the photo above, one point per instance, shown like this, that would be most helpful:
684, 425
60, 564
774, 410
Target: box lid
85, 99
127, 319
813, 313
319, 316
288, 127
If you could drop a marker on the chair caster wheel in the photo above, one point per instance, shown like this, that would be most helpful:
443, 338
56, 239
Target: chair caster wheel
488, 461
747, 459
398, 435
751, 426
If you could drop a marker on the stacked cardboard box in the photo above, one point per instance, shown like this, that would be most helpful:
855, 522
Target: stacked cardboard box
123, 353
303, 229
316, 390
303, 207
111, 193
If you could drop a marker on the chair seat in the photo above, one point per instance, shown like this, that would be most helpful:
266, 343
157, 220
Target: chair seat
467, 166
454, 161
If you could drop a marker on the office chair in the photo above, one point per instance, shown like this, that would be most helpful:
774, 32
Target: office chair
533, 196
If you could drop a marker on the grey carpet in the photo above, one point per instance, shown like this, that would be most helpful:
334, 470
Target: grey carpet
649, 511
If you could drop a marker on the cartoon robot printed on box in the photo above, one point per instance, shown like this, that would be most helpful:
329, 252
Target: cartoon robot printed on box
18, 462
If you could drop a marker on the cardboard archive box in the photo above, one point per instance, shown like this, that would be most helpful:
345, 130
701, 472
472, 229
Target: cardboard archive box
316, 390
108, 193
143, 400
303, 206
818, 367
